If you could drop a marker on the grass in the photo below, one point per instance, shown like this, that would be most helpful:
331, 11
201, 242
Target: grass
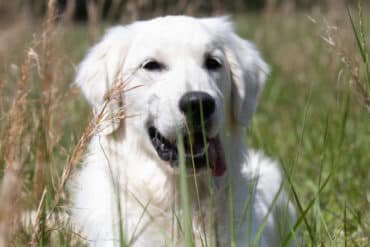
313, 118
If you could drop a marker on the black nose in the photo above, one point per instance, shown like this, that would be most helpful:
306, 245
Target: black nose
195, 104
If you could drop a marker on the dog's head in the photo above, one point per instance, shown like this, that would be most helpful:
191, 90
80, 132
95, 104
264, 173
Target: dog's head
194, 77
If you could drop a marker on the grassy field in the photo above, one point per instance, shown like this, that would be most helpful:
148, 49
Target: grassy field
311, 117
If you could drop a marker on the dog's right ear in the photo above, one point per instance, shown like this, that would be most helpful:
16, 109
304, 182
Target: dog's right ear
100, 69
247, 68
249, 73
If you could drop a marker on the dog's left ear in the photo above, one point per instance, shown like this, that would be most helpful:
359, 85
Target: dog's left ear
248, 70
99, 73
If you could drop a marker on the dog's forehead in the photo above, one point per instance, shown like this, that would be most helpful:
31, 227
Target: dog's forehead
175, 31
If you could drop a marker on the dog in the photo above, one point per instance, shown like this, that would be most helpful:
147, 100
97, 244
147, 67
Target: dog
192, 86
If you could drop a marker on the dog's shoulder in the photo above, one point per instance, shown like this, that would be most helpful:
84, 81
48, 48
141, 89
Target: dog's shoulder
260, 164
265, 173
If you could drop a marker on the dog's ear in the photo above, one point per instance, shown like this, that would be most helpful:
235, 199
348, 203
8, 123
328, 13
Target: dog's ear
248, 70
100, 70
248, 73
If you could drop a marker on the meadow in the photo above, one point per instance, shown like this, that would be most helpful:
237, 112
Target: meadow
314, 117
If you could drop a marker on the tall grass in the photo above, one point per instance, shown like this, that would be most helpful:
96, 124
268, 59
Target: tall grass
310, 118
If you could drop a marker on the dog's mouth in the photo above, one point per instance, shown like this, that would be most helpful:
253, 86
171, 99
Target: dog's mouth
198, 151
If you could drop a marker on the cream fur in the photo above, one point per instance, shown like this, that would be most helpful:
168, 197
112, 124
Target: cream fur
121, 169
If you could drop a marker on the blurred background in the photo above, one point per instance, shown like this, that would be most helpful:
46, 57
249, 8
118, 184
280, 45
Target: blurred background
116, 9
129, 10
313, 117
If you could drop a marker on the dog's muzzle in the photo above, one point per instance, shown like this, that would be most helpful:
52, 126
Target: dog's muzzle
200, 151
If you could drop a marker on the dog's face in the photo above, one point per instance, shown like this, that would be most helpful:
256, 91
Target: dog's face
194, 77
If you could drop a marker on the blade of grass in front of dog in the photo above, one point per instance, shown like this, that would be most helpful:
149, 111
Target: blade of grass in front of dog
261, 227
117, 191
289, 231
230, 193
122, 241
190, 140
115, 179
231, 211
170, 241
189, 242
135, 234
247, 213
213, 229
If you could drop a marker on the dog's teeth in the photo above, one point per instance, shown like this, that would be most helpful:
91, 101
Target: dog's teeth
156, 142
172, 156
165, 156
165, 149
161, 138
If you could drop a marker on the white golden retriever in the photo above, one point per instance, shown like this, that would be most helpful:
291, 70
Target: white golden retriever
190, 75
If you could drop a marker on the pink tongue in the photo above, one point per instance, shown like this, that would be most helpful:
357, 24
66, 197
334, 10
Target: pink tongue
216, 157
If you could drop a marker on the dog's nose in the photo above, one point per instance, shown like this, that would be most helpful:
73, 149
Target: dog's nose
195, 102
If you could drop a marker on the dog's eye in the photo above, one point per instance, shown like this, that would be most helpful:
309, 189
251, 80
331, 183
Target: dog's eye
153, 65
212, 63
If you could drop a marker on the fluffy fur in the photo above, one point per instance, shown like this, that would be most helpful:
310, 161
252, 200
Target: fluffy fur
123, 186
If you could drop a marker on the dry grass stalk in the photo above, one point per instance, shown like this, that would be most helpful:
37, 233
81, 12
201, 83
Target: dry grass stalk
353, 67
37, 226
47, 58
359, 86
93, 127
43, 142
16, 144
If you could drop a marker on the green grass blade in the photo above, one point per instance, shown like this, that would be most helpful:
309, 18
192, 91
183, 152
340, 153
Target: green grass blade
344, 122
361, 43
326, 229
295, 194
135, 235
304, 212
213, 229
355, 32
261, 227
345, 224
231, 212
185, 202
